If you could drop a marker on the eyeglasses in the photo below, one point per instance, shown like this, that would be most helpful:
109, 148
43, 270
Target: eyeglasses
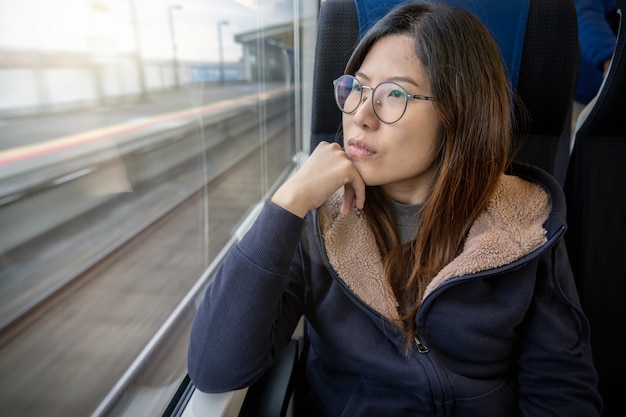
389, 99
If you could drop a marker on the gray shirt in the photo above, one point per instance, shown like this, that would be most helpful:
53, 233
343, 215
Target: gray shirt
406, 220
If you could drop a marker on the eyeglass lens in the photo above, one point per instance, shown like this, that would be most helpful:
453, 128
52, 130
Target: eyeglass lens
389, 99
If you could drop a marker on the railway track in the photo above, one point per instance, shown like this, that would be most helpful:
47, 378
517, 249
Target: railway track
65, 353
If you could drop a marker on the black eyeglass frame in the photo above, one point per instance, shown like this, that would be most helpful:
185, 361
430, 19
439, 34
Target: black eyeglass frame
407, 96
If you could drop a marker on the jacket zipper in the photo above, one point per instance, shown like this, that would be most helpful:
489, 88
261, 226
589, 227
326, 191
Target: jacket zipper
421, 348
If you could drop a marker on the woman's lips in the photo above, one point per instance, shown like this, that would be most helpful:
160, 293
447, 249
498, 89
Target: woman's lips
359, 149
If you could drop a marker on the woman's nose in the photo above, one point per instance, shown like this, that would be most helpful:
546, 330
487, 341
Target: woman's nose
364, 114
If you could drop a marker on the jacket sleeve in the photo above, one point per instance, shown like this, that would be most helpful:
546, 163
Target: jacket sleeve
556, 372
251, 308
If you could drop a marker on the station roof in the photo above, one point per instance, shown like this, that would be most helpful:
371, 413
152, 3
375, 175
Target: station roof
280, 35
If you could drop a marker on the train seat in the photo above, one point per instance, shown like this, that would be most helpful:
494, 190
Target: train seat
595, 189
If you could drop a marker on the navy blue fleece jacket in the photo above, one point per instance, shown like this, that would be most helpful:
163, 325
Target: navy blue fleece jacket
500, 331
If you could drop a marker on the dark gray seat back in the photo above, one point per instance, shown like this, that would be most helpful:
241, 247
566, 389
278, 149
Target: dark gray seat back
596, 198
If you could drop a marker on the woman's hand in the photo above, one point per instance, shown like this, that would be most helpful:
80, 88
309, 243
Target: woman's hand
324, 172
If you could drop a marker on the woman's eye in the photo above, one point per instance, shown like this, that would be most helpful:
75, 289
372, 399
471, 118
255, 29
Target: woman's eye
396, 94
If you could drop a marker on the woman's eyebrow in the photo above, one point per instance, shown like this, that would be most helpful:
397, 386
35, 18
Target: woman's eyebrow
404, 79
361, 75
394, 79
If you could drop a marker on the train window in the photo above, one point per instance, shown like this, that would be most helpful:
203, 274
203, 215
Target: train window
137, 138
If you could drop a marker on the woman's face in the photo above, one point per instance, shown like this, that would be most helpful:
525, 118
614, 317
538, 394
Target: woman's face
400, 157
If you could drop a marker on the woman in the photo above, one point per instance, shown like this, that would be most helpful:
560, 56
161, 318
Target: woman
431, 282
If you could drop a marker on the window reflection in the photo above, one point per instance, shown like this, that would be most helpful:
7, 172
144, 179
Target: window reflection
136, 136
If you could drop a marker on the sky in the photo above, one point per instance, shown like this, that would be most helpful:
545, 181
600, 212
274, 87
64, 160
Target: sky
105, 28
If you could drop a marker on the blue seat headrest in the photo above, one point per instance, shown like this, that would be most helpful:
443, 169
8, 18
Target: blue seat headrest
505, 19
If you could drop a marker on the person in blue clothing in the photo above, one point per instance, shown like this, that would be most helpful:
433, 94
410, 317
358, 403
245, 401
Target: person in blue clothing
597, 27
430, 270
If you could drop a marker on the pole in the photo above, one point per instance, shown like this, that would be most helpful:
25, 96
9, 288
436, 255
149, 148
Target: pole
138, 59
221, 48
170, 10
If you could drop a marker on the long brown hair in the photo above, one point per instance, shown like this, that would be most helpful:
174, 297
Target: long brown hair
467, 77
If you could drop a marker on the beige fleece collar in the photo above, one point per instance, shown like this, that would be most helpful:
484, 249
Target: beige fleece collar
510, 227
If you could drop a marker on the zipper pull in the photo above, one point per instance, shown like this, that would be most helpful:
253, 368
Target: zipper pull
420, 347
